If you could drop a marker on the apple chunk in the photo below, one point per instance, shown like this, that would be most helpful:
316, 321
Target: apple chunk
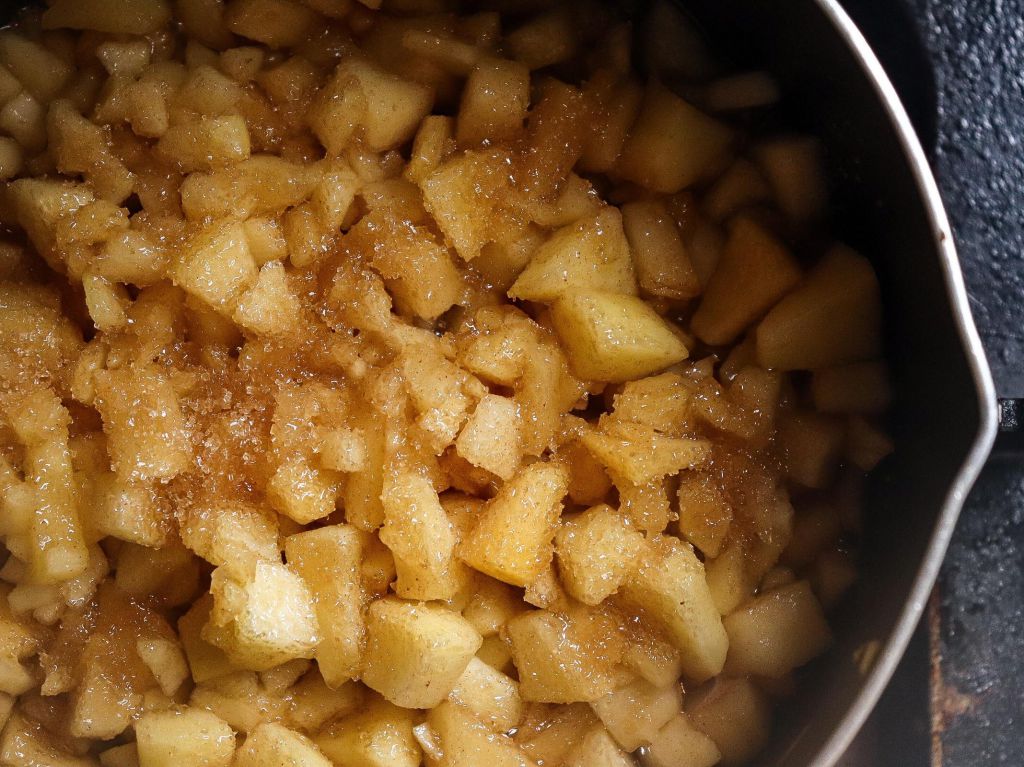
592, 253
833, 318
614, 337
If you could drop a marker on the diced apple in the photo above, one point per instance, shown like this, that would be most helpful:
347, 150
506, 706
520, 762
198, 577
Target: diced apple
614, 337
777, 632
415, 653
512, 541
591, 254
754, 272
833, 318
672, 144
669, 585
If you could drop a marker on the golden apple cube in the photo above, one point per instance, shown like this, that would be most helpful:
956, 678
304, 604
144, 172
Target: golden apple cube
640, 455
421, 537
833, 318
598, 749
736, 715
494, 102
662, 261
777, 632
669, 585
329, 560
555, 662
704, 513
512, 540
492, 696
146, 430
492, 437
416, 652
754, 272
596, 551
216, 265
379, 735
273, 745
614, 337
462, 740
680, 744
672, 144
184, 736
262, 616
634, 713
592, 254
133, 17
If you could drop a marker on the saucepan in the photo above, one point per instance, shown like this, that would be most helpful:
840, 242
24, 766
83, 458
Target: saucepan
885, 204
944, 417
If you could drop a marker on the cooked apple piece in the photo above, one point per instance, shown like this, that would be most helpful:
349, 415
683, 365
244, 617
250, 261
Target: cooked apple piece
754, 272
468, 197
314, 703
833, 318
550, 732
208, 143
492, 696
861, 387
672, 144
680, 744
704, 513
614, 337
416, 652
274, 745
184, 736
301, 491
647, 506
223, 532
866, 444
422, 539
328, 559
831, 575
592, 254
146, 430
595, 551
216, 265
670, 587
387, 108
636, 712
494, 102
555, 662
379, 735
262, 615
608, 136
598, 749
776, 632
812, 444
492, 437
640, 455
739, 187
544, 40
662, 402
134, 17
461, 740
795, 170
275, 23
491, 605
662, 262
433, 144
512, 540
735, 714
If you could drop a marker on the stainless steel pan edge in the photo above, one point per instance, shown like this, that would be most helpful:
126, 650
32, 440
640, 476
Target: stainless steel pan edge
978, 453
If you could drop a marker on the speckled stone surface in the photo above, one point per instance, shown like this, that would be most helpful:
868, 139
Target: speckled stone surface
972, 114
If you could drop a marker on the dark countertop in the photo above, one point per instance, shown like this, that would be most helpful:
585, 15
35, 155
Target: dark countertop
967, 661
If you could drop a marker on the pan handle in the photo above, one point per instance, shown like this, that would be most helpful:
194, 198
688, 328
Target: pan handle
1010, 440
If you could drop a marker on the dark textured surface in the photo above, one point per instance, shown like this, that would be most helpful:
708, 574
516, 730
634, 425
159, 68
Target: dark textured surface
975, 49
